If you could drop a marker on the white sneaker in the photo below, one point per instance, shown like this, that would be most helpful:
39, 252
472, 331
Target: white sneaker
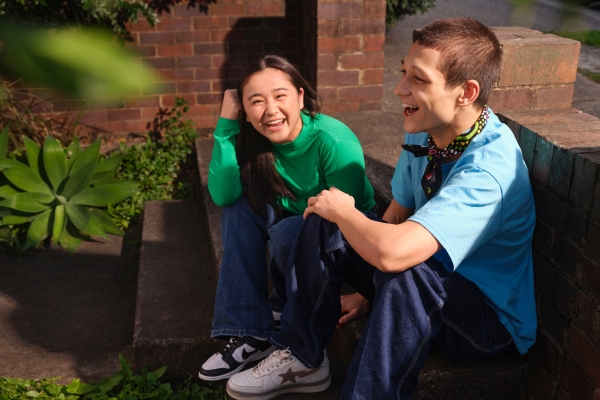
277, 374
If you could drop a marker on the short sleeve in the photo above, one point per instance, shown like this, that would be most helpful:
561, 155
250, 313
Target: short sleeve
464, 214
402, 188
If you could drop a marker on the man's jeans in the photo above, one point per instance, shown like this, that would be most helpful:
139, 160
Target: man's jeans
411, 311
242, 304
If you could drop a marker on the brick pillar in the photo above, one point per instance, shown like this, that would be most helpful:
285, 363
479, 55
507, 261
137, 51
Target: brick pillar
538, 70
350, 40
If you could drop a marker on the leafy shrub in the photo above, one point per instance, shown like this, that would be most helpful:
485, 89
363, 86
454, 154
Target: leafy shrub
156, 164
60, 195
396, 9
123, 385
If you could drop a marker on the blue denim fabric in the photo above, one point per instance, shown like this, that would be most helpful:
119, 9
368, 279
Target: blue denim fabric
411, 310
242, 304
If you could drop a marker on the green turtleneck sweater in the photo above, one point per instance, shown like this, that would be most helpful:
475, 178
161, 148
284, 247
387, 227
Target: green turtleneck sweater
326, 153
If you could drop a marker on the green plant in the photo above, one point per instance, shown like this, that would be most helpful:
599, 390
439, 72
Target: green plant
591, 37
157, 164
124, 385
59, 192
595, 76
396, 9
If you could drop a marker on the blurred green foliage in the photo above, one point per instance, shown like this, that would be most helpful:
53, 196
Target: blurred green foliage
397, 9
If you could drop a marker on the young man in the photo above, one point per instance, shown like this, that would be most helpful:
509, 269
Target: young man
452, 265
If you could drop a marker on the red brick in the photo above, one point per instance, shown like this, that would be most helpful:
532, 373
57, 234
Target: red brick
179, 24
362, 93
337, 78
209, 48
512, 99
221, 86
596, 394
157, 38
574, 381
170, 75
206, 122
361, 60
371, 106
165, 88
192, 36
146, 101
374, 26
175, 50
209, 98
247, 48
264, 9
328, 27
203, 110
327, 61
191, 87
149, 113
539, 61
136, 126
228, 35
338, 45
228, 9
339, 10
585, 354
188, 9
338, 108
161, 62
141, 26
114, 127
375, 9
328, 95
372, 77
168, 100
211, 23
540, 382
207, 74
554, 97
127, 114
93, 117
219, 60
144, 51
374, 43
193, 62
588, 318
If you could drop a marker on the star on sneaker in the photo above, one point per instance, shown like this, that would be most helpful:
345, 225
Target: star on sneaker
277, 374
232, 358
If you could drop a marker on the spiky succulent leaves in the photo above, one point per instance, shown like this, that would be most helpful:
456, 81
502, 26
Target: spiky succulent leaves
84, 220
16, 218
107, 167
59, 220
29, 202
24, 178
107, 222
38, 229
73, 150
71, 238
7, 191
4, 142
32, 151
103, 194
55, 163
82, 171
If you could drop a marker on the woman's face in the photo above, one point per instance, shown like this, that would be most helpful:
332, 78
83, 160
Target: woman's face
272, 105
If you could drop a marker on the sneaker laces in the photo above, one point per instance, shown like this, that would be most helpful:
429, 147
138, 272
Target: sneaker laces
274, 360
230, 346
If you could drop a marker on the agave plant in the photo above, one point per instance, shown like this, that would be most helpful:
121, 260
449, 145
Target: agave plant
60, 192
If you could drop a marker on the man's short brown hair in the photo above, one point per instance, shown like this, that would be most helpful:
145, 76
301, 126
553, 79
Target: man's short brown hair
469, 50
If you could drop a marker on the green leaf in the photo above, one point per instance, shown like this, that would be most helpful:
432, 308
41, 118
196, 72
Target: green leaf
6, 163
25, 179
73, 150
78, 181
4, 142
7, 191
126, 368
30, 202
84, 220
38, 230
32, 393
53, 389
16, 219
89, 155
160, 372
55, 162
33, 153
108, 166
71, 238
112, 382
59, 221
107, 222
101, 195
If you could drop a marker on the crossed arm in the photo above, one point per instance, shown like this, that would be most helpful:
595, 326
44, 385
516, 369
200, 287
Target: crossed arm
392, 247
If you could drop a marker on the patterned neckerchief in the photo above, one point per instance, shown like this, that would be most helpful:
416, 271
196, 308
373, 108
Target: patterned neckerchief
432, 178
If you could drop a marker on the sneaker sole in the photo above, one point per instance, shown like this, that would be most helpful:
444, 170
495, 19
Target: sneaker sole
300, 388
253, 357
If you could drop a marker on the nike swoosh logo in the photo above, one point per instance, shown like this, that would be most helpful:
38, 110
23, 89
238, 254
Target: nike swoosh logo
241, 354
245, 354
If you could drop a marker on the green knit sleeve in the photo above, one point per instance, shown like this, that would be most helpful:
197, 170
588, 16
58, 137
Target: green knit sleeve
224, 183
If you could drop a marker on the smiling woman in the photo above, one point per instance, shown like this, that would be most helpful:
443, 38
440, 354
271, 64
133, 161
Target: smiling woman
273, 150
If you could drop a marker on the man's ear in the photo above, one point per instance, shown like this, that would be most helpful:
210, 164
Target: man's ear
469, 94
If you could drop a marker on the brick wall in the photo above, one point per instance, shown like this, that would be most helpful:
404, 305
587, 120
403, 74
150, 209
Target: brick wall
538, 70
562, 151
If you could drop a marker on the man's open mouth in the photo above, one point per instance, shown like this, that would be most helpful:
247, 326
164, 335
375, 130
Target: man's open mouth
409, 109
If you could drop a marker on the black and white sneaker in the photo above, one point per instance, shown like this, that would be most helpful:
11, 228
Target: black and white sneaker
230, 360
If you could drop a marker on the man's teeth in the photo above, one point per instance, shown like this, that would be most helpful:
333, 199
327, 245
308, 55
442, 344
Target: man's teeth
409, 106
274, 122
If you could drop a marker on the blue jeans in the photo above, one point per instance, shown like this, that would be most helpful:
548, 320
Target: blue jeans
242, 304
411, 311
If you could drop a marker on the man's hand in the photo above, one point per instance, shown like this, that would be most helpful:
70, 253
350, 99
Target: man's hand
231, 105
353, 306
329, 204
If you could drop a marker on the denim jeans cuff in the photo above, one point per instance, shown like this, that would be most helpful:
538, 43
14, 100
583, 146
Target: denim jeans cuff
225, 333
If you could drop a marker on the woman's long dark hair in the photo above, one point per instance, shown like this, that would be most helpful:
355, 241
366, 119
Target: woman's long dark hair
261, 182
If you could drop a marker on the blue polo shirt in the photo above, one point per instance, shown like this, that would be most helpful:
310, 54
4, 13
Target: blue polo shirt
483, 215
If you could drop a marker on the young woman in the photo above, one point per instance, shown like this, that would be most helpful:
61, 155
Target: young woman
273, 150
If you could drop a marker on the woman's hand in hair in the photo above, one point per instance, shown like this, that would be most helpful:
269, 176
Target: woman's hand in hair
330, 204
231, 107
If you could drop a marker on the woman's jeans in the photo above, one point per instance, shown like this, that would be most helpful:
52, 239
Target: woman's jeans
411, 311
242, 303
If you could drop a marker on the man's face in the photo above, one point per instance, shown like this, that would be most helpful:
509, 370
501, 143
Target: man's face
428, 105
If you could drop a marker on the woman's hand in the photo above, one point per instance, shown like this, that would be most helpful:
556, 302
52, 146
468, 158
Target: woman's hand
231, 107
353, 306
